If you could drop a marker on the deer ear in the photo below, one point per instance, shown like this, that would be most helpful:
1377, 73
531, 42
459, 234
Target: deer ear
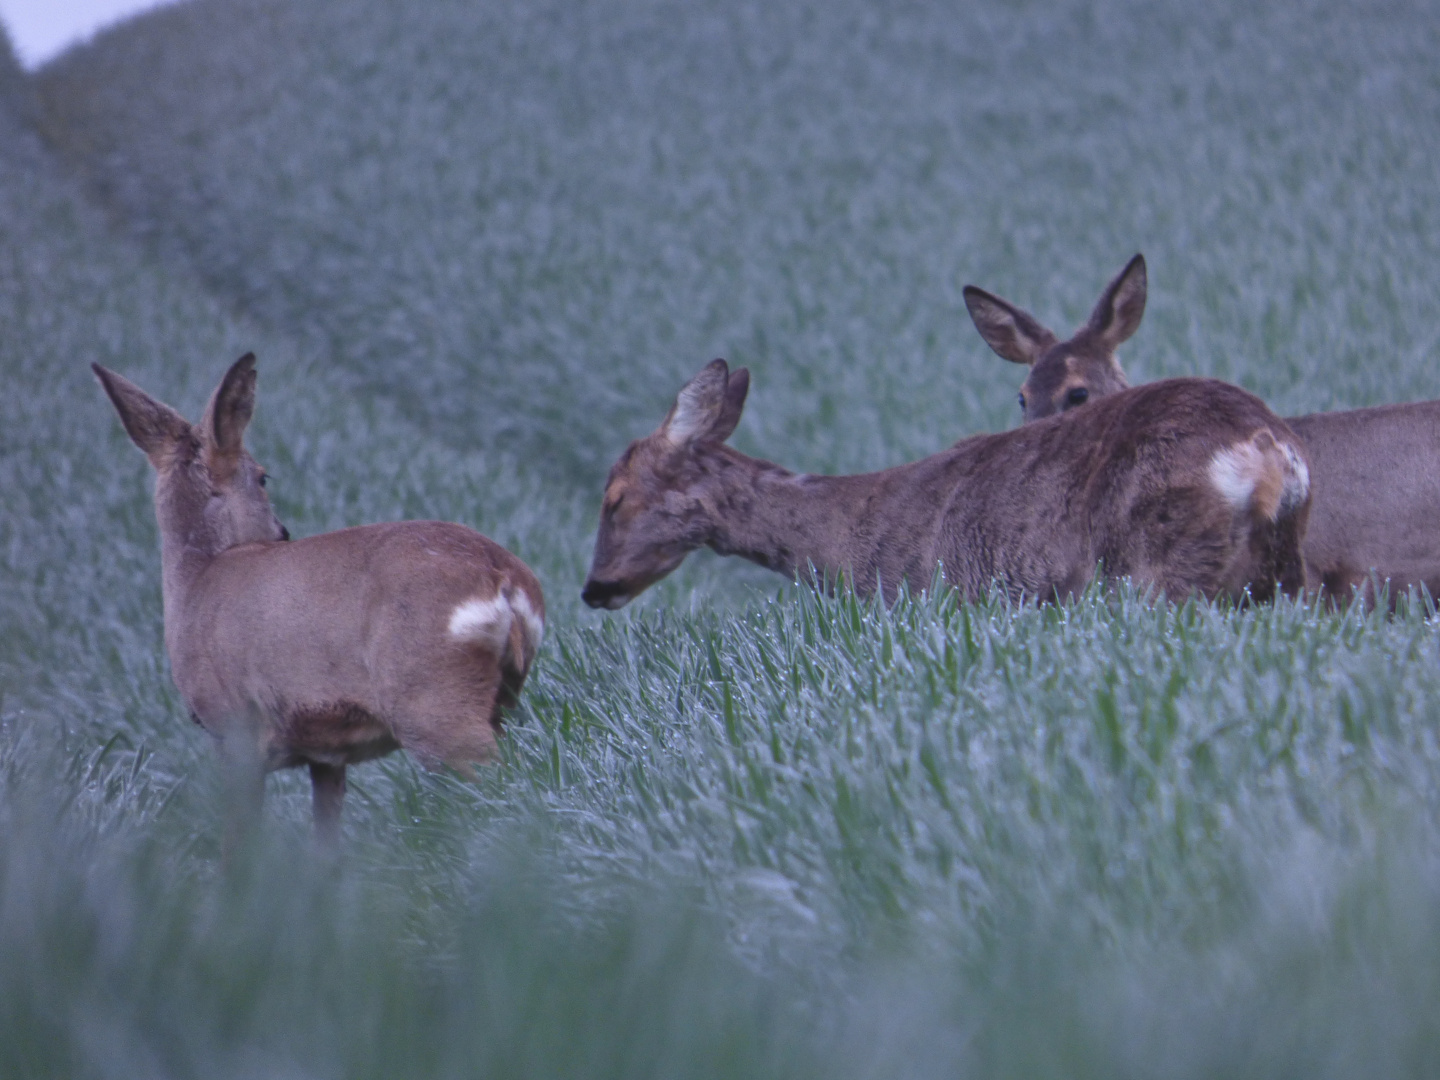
735, 391
1013, 333
701, 405
230, 408
1121, 306
152, 425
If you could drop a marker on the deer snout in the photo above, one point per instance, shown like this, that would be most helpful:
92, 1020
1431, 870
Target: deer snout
612, 595
284, 533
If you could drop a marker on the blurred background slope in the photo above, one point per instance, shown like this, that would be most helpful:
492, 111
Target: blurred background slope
529, 221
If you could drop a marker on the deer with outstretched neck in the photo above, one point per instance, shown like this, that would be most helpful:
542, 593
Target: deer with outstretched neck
1375, 473
1185, 486
330, 650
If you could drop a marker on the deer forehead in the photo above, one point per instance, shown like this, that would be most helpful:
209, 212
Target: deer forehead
645, 470
616, 490
227, 468
1053, 370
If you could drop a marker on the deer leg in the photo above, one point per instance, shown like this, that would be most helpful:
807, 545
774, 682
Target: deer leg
244, 792
453, 722
327, 793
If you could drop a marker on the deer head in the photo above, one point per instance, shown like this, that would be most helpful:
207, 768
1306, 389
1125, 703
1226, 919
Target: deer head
209, 492
1064, 374
656, 510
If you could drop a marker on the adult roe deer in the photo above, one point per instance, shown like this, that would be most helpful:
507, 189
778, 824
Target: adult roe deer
1184, 485
1375, 473
334, 649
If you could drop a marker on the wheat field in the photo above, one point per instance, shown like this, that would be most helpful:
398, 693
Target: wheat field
740, 830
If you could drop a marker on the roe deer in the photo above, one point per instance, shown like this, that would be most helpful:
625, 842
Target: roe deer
1188, 485
334, 649
1375, 473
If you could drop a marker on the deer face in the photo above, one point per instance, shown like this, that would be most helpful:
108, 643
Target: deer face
1064, 374
654, 511
1069, 374
237, 509
209, 491
649, 522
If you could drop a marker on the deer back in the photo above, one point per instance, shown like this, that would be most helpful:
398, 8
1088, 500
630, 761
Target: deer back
361, 623
1180, 485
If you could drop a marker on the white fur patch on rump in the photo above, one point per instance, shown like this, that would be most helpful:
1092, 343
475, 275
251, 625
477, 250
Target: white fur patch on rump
484, 622
1261, 474
1235, 471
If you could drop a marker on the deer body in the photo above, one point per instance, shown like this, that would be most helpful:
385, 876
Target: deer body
1135, 489
340, 647
1375, 473
331, 650
1375, 514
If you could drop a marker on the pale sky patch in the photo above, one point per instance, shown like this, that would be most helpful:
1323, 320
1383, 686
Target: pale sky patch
42, 29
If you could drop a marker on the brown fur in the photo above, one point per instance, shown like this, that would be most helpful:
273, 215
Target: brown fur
1375, 473
1036, 510
326, 651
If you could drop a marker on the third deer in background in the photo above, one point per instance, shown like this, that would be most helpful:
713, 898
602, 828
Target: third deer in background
1375, 473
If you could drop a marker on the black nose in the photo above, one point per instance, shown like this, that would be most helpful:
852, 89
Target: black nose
284, 533
597, 593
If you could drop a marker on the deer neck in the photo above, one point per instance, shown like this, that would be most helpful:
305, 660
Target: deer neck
187, 540
784, 521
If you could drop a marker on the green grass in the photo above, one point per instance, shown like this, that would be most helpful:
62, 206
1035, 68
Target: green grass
740, 830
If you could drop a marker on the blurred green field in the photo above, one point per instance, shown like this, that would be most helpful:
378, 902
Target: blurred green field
740, 830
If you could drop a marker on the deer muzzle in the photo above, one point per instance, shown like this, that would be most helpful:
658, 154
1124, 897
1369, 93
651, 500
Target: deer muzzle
611, 595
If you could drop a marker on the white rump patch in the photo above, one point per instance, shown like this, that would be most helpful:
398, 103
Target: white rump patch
1270, 480
484, 622
529, 618
1235, 471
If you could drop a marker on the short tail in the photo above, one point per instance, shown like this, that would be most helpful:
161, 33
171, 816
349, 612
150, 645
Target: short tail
1263, 474
526, 630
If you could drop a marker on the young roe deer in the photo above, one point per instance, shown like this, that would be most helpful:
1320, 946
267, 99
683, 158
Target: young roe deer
1375, 473
1188, 485
334, 649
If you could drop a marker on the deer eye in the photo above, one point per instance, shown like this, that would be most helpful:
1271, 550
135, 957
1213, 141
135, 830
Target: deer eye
1078, 395
264, 477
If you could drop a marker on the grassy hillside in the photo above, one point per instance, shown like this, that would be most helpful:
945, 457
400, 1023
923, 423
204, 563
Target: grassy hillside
528, 222
741, 831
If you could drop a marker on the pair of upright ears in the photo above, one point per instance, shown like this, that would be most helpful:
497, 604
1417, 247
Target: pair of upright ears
1022, 339
158, 429
708, 407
